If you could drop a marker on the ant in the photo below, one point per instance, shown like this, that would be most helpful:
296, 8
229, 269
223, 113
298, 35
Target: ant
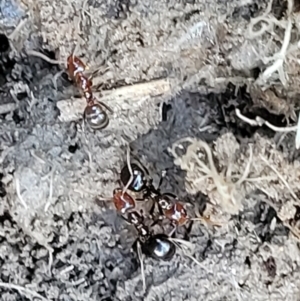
135, 177
94, 115
158, 246
153, 245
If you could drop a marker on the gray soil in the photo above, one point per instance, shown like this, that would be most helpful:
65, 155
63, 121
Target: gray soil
57, 241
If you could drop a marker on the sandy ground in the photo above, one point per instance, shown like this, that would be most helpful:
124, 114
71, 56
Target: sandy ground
56, 241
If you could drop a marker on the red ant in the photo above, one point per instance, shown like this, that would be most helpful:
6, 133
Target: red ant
94, 115
157, 246
125, 205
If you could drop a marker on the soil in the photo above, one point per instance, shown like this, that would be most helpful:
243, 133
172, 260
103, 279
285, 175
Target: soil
58, 241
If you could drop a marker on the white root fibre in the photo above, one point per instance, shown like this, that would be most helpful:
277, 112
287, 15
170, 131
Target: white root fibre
191, 162
222, 190
267, 25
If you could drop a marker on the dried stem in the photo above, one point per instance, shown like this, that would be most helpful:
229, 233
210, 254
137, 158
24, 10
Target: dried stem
22, 290
44, 57
280, 177
260, 122
72, 109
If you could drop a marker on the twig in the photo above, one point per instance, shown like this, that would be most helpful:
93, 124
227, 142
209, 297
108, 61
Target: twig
7, 108
19, 193
247, 169
44, 57
67, 270
72, 109
260, 122
21, 290
50, 192
18, 28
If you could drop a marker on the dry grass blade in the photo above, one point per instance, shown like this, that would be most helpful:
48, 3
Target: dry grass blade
19, 193
71, 109
140, 255
130, 170
280, 177
22, 290
187, 249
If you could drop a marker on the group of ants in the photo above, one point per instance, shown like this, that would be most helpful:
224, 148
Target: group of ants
137, 186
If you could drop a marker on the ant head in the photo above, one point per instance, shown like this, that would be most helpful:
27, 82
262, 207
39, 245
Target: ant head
95, 117
139, 179
159, 247
117, 191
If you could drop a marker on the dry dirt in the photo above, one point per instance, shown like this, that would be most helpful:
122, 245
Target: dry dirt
56, 241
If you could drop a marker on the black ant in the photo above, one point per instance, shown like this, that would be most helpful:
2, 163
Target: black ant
125, 205
94, 115
158, 246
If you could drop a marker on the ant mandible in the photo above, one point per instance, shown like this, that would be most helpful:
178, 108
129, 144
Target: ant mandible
94, 114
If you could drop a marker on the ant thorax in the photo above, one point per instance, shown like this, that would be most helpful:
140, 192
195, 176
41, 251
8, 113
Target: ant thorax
165, 204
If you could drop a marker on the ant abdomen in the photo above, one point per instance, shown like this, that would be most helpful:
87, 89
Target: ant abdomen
159, 247
95, 117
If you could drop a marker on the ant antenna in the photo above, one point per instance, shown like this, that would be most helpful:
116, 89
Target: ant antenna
162, 177
129, 168
105, 105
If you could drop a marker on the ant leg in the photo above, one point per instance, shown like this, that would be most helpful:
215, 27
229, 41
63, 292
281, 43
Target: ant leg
125, 219
173, 230
171, 195
101, 200
105, 105
162, 177
157, 222
187, 230
207, 221
129, 168
151, 211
